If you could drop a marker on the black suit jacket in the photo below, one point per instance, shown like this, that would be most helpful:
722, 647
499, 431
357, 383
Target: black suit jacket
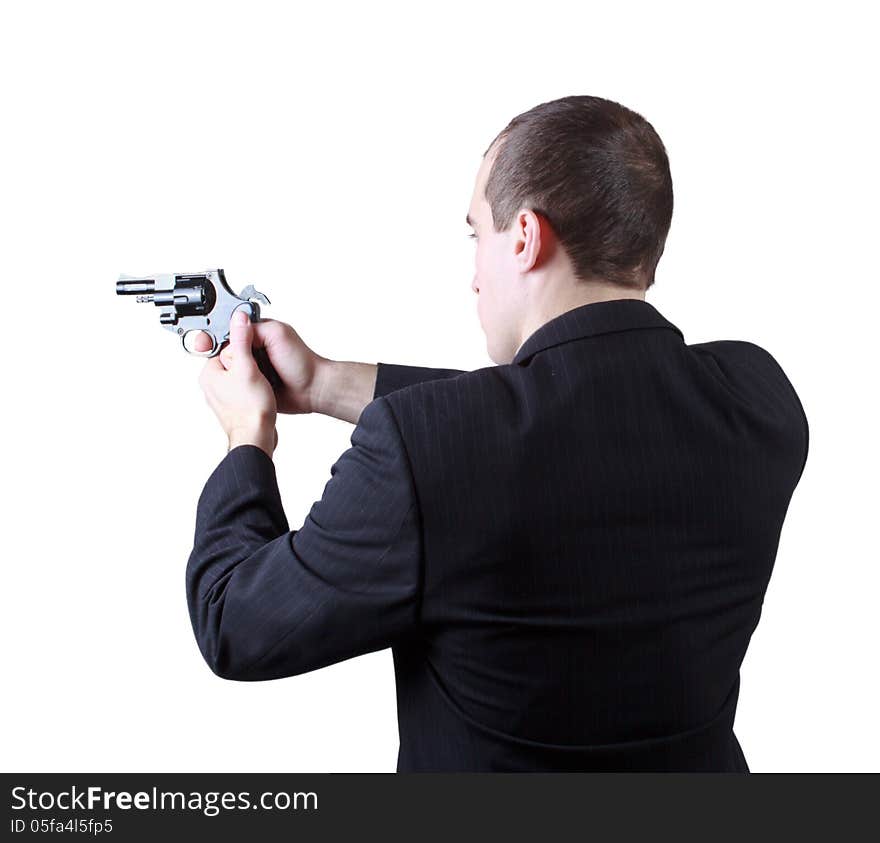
568, 554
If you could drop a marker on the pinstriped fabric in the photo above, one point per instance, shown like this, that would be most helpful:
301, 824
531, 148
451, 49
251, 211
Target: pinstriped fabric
265, 602
567, 554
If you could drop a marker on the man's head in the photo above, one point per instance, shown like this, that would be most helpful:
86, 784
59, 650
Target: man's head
572, 204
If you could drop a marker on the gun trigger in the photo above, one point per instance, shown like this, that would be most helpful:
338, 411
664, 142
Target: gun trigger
249, 294
215, 343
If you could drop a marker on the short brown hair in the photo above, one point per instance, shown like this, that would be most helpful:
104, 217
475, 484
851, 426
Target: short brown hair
598, 173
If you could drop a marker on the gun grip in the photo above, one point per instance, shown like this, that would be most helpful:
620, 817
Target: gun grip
266, 367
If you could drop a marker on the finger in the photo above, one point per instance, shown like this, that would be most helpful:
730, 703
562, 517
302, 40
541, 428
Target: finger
269, 333
263, 329
202, 342
209, 371
241, 336
226, 357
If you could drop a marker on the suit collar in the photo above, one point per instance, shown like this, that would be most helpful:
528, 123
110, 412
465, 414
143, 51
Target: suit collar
590, 320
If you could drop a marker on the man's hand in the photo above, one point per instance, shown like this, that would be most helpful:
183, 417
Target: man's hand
297, 365
237, 392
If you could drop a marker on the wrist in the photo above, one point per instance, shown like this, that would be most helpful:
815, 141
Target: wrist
323, 387
342, 389
262, 434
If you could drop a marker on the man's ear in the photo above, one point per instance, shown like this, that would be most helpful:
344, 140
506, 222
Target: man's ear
529, 239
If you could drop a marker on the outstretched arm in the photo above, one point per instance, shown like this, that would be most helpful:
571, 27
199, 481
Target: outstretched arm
342, 389
315, 384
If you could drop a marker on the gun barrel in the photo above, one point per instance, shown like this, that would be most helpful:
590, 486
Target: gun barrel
134, 288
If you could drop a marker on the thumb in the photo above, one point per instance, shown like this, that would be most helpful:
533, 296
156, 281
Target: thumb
241, 337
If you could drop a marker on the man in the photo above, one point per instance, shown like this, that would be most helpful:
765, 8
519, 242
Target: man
568, 551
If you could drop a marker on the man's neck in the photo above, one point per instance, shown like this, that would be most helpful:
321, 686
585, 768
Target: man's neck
575, 296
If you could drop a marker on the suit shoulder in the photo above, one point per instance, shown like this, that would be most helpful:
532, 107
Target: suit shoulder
747, 359
753, 370
455, 397
735, 349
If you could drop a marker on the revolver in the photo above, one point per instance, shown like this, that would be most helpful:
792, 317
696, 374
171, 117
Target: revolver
199, 301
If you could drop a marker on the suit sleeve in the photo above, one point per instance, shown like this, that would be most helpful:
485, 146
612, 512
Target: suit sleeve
266, 602
392, 376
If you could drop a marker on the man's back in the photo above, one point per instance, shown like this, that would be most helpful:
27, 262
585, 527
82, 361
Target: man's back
567, 554
599, 521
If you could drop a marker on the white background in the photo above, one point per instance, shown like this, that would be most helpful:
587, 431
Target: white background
327, 155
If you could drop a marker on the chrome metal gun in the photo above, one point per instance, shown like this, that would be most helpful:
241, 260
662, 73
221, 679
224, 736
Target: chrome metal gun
199, 301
